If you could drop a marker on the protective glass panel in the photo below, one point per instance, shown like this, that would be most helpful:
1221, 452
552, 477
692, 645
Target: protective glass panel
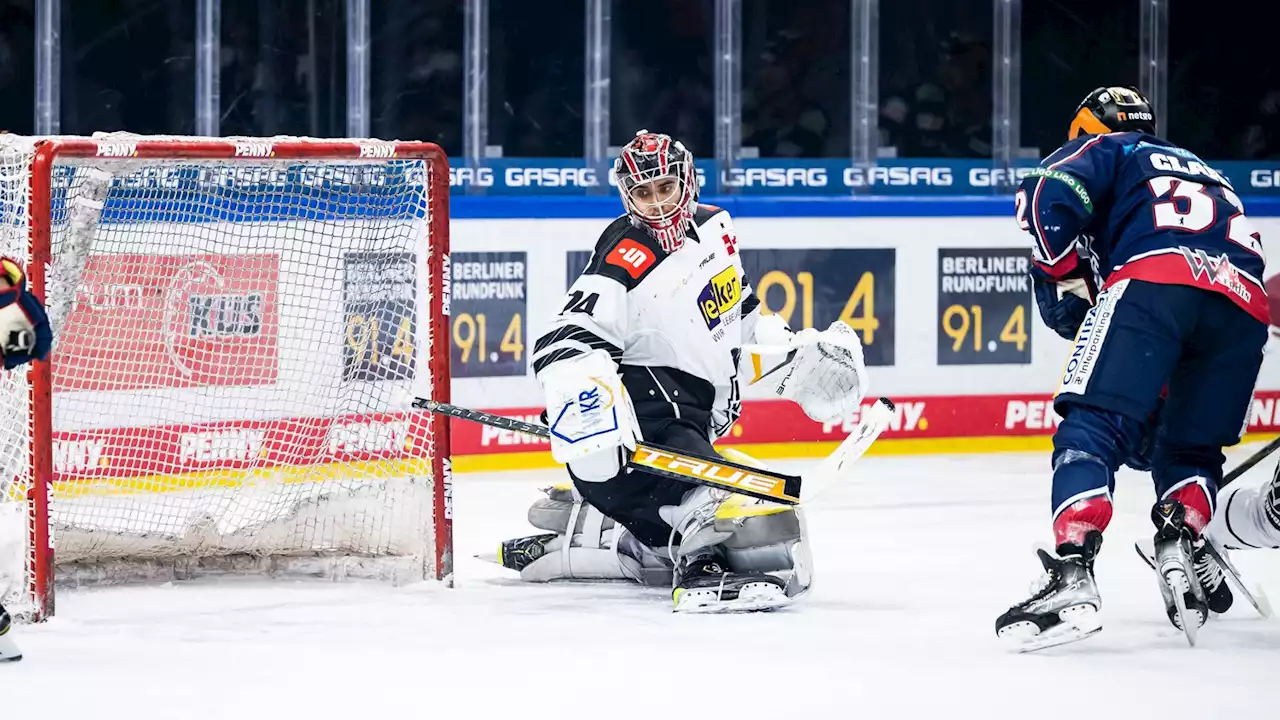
662, 73
128, 66
795, 75
935, 77
416, 68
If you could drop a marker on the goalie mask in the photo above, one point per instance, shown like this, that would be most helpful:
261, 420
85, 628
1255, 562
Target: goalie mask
1112, 109
659, 186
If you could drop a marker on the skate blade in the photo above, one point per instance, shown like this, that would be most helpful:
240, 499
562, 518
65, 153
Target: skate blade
1188, 620
1171, 594
1255, 596
1078, 623
758, 598
1148, 555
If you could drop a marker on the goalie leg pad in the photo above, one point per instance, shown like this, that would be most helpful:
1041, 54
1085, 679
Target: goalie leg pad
588, 545
752, 536
9, 651
1247, 517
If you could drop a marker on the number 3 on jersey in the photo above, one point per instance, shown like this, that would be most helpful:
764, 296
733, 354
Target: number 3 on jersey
1192, 209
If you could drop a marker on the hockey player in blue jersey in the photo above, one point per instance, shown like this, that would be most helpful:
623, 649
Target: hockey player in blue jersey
1143, 256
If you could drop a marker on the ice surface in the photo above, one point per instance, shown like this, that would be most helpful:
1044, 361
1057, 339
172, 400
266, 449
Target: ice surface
914, 562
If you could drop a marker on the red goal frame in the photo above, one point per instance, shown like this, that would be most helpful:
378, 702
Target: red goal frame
41, 560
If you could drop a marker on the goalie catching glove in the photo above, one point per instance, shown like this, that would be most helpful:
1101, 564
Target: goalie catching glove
25, 334
821, 371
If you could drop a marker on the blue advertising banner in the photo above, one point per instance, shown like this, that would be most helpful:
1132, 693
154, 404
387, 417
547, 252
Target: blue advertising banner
490, 302
984, 306
565, 187
379, 290
561, 176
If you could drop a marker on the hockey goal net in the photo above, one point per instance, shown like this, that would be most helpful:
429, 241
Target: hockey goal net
241, 325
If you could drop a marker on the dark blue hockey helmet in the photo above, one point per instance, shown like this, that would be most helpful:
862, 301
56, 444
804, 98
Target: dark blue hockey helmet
1112, 109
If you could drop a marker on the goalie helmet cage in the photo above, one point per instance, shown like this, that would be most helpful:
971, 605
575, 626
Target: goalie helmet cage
241, 325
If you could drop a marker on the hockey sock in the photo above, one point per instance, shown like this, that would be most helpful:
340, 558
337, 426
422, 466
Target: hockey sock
1081, 495
1080, 518
1193, 498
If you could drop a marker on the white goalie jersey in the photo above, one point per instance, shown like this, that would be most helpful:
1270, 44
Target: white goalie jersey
674, 323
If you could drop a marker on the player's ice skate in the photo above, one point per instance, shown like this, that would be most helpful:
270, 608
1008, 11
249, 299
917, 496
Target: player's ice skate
1184, 599
1209, 572
9, 651
1064, 605
1212, 578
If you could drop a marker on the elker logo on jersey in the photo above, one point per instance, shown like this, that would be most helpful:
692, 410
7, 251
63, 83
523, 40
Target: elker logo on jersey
719, 296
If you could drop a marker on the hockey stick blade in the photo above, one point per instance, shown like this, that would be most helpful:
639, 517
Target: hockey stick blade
676, 464
874, 421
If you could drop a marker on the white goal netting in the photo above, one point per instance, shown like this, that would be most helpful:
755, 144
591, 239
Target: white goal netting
240, 328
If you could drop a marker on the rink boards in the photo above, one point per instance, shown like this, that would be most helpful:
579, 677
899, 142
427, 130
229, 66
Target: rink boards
936, 288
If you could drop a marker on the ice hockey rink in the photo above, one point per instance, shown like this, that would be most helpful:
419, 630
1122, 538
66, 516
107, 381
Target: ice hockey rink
914, 559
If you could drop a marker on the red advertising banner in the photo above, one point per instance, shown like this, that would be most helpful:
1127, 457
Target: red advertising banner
133, 452
171, 321
240, 445
778, 421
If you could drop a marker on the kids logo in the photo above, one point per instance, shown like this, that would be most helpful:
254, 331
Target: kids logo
721, 294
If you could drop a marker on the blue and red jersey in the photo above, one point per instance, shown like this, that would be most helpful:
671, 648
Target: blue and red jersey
1131, 205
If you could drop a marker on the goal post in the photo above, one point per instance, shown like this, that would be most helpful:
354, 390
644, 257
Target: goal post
240, 327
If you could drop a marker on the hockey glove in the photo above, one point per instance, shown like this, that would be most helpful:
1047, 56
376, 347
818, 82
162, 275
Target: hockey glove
1141, 454
1063, 303
25, 334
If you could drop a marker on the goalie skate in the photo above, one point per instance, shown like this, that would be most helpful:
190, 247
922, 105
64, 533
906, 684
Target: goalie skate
706, 587
9, 651
517, 554
1064, 605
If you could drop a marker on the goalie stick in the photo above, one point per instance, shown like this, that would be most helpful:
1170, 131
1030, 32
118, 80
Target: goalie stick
1249, 462
717, 472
